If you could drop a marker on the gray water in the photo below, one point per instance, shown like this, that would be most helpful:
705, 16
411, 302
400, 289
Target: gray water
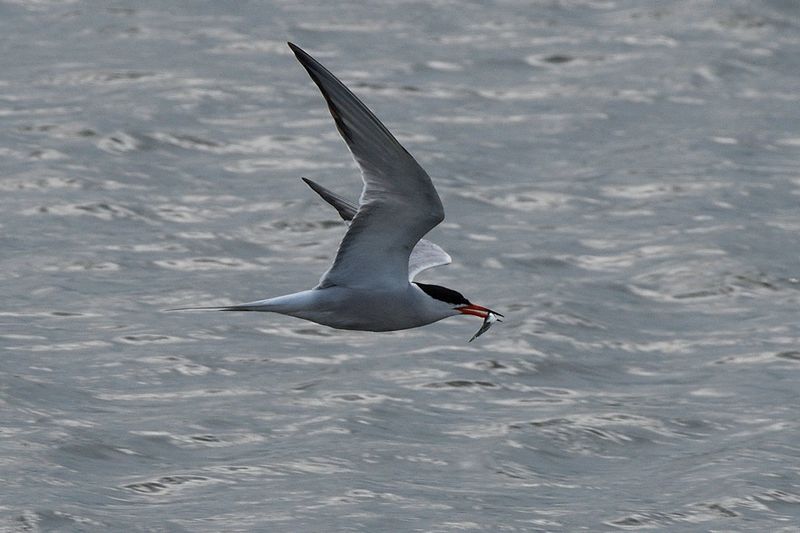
620, 180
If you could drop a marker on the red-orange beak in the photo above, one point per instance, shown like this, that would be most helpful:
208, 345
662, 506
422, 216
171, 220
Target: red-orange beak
476, 310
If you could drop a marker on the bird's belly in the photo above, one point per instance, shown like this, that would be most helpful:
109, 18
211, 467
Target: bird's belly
363, 310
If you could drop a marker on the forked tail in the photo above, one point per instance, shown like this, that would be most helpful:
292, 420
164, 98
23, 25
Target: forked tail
240, 307
288, 304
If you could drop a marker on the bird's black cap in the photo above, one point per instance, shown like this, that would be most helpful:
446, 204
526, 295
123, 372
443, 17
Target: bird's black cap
443, 294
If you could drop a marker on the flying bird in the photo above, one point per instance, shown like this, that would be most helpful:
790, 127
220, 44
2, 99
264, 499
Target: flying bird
370, 285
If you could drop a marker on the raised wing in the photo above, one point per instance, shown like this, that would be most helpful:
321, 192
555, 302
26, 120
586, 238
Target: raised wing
425, 254
398, 203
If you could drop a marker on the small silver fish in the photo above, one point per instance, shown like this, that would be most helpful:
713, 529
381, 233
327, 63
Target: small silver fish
490, 319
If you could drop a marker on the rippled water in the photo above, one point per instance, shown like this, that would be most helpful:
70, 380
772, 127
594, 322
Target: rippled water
620, 179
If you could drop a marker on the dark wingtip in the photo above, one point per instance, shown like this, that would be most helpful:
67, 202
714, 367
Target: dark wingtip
313, 184
317, 73
301, 54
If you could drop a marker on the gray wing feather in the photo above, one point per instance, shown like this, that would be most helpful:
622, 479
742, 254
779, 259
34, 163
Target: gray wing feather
425, 254
398, 203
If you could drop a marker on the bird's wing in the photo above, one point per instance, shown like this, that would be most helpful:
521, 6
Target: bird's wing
345, 209
398, 203
425, 254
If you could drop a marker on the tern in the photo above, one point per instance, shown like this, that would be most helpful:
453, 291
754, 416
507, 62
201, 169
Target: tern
370, 285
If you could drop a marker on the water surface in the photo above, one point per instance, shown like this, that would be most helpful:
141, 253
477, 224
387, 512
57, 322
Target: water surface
620, 180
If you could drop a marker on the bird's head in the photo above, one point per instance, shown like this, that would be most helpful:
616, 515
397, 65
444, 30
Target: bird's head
455, 301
